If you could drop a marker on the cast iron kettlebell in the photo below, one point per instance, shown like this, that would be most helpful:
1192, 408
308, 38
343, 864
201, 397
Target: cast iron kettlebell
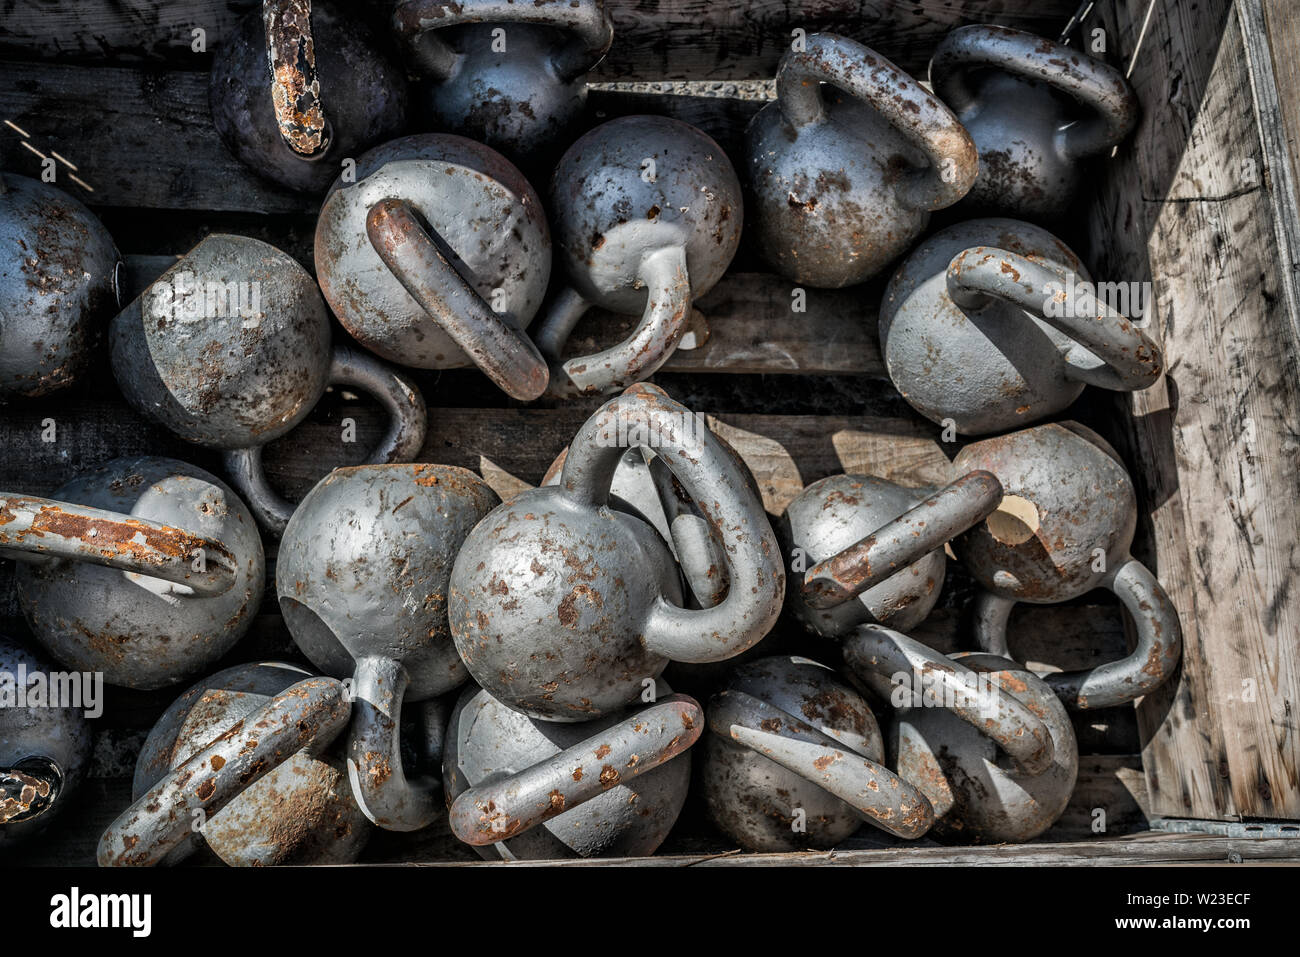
785, 736
512, 75
608, 787
989, 323
562, 607
299, 88
1035, 109
244, 764
230, 348
362, 580
872, 551
842, 179
59, 273
986, 741
1065, 527
44, 746
437, 254
647, 214
147, 570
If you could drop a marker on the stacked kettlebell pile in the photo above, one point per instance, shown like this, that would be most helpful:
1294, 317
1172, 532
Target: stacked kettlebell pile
530, 637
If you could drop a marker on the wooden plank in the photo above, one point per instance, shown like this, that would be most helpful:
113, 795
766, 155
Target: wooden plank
1213, 445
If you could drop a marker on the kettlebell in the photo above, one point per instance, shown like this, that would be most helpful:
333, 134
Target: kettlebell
987, 742
243, 763
1065, 527
785, 737
512, 75
230, 349
647, 216
44, 746
299, 88
1036, 109
562, 607
438, 252
873, 550
362, 581
608, 787
989, 323
147, 570
842, 179
59, 285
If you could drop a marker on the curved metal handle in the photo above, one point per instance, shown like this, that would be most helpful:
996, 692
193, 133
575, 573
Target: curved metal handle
881, 797
1090, 82
408, 422
502, 351
1133, 360
417, 20
647, 346
383, 791
878, 654
52, 530
29, 789
295, 88
1150, 664
712, 478
917, 532
310, 714
699, 553
922, 120
640, 743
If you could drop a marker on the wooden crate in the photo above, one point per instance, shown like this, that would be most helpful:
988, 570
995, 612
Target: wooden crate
117, 89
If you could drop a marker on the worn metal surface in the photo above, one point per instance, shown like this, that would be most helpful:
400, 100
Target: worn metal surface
124, 590
301, 86
562, 607
58, 287
362, 577
635, 246
44, 750
1065, 527
966, 332
794, 759
608, 787
1035, 109
244, 751
511, 75
842, 179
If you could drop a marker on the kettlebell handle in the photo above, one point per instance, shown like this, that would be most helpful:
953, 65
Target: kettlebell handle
643, 416
1099, 87
699, 553
892, 547
29, 789
42, 530
877, 794
295, 87
419, 20
1132, 359
920, 118
662, 272
502, 351
642, 742
877, 654
403, 441
309, 715
1151, 663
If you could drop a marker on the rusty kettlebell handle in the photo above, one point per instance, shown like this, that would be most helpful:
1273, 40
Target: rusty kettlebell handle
878, 795
403, 441
308, 715
503, 352
889, 549
295, 87
878, 655
42, 529
1132, 359
920, 118
419, 20
639, 743
1149, 665
1095, 85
